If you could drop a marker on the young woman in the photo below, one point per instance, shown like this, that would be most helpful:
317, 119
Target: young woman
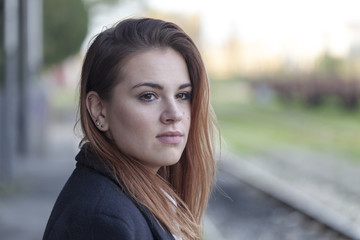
147, 164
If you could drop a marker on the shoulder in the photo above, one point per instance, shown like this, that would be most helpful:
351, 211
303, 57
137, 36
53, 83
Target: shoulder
92, 206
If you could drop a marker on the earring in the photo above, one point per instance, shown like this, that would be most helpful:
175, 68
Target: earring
98, 123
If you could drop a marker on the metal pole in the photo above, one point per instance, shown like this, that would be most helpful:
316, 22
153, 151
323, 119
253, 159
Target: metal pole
33, 105
31, 59
11, 36
2, 76
34, 63
22, 143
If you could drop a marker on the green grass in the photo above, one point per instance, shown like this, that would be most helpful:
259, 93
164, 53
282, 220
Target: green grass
248, 126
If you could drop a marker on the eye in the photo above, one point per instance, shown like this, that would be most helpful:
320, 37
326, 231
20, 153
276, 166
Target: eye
184, 96
147, 97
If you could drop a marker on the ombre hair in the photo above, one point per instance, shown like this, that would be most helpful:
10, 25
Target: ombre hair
190, 180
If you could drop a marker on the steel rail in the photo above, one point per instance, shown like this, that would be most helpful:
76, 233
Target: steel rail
271, 185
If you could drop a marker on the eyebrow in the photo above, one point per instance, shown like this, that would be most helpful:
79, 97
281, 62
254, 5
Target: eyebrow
157, 86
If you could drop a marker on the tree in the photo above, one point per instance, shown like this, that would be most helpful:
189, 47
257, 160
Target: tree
65, 27
329, 65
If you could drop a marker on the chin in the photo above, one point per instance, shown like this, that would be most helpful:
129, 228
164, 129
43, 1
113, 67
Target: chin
171, 162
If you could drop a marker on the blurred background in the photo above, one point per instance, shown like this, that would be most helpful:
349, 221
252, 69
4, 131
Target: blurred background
285, 85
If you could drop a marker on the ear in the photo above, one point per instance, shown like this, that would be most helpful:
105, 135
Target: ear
96, 108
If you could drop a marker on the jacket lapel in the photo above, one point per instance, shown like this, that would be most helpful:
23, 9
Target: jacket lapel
159, 232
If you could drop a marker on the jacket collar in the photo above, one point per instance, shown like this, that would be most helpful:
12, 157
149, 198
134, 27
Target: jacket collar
87, 157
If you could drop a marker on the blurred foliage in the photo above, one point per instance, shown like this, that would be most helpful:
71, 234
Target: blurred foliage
95, 2
65, 27
329, 65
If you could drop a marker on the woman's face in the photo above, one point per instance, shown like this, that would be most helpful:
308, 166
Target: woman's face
148, 115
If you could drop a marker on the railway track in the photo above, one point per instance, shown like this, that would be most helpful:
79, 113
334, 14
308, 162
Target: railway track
250, 203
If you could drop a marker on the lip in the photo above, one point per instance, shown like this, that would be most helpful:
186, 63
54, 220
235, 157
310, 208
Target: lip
170, 137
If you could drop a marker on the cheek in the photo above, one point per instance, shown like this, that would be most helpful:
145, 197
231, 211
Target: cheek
188, 113
187, 119
132, 119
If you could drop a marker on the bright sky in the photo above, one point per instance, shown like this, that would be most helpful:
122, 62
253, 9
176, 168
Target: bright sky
307, 24
298, 27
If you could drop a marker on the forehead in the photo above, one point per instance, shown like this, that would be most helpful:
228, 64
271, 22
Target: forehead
158, 65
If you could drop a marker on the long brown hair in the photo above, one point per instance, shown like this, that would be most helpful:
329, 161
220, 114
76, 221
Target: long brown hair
190, 180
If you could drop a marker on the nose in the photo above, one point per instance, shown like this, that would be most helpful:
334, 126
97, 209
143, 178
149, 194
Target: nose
172, 112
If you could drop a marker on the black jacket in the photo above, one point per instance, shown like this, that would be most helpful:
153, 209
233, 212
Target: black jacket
92, 206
